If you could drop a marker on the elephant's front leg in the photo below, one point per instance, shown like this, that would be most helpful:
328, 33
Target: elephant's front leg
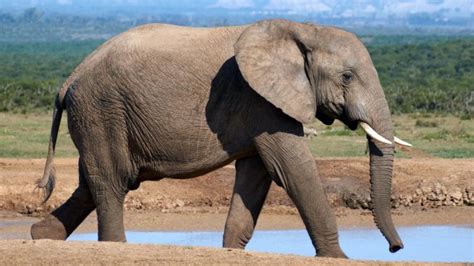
250, 190
289, 161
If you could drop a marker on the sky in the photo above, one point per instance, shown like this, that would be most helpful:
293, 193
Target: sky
453, 8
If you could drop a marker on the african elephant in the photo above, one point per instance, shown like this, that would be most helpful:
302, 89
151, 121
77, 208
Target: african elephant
168, 101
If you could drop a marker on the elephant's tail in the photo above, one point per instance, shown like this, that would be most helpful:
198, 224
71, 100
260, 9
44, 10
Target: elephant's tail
47, 182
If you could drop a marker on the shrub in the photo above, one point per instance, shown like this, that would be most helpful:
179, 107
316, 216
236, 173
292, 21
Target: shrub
425, 123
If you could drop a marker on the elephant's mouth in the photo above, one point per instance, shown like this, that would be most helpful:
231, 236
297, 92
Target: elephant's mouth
325, 118
352, 125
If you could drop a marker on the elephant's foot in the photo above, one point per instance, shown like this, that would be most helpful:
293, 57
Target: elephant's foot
48, 228
332, 253
235, 242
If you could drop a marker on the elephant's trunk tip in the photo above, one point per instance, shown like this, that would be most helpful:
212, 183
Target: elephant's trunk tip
396, 246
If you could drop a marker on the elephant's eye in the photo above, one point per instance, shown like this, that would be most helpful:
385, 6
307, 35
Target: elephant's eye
346, 78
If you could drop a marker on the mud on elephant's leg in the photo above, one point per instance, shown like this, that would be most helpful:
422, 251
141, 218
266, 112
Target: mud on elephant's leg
250, 190
65, 219
289, 161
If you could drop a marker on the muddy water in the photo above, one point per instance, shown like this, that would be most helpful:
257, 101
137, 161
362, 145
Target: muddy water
423, 243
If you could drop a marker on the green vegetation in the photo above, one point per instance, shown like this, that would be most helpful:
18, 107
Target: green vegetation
429, 74
27, 136
446, 136
424, 123
429, 77
30, 73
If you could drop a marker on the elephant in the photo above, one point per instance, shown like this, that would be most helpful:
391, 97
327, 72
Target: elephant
163, 101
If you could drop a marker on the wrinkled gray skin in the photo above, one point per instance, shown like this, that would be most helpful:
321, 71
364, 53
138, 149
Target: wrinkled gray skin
166, 101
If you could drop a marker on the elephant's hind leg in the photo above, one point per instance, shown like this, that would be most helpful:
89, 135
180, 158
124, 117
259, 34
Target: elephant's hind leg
108, 185
109, 202
250, 190
65, 219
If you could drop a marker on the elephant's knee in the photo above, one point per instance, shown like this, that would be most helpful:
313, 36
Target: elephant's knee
49, 228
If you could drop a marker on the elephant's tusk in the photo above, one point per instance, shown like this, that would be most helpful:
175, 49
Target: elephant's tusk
401, 142
371, 132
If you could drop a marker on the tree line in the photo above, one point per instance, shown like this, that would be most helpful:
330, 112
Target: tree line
436, 75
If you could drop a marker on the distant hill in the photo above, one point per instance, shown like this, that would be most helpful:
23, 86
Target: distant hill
406, 13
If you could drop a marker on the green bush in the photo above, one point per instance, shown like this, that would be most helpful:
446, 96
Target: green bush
425, 123
435, 76
431, 76
30, 73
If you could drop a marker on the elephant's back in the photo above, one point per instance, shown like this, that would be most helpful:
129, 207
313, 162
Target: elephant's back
162, 53
161, 47
172, 38
157, 58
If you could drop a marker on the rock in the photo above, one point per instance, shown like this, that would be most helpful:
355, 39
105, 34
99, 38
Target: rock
333, 199
350, 199
448, 198
471, 202
364, 204
415, 198
418, 191
444, 190
441, 197
437, 189
395, 204
426, 190
149, 203
432, 196
407, 201
29, 208
168, 205
179, 203
356, 200
456, 195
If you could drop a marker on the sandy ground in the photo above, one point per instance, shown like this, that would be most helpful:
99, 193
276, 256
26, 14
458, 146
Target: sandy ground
56, 252
201, 204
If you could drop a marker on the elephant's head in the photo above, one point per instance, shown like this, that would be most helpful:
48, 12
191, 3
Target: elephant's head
311, 71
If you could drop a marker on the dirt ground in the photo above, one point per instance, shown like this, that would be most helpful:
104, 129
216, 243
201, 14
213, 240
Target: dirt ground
201, 203
47, 252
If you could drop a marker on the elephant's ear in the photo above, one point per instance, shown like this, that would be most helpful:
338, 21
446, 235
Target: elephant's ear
271, 58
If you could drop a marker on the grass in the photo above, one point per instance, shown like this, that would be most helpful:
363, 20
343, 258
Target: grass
451, 138
425, 123
27, 136
442, 136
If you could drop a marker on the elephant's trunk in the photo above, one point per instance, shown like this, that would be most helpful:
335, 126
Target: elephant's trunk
381, 166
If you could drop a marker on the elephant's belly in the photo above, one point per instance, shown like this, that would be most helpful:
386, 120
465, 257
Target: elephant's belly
188, 169
186, 146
